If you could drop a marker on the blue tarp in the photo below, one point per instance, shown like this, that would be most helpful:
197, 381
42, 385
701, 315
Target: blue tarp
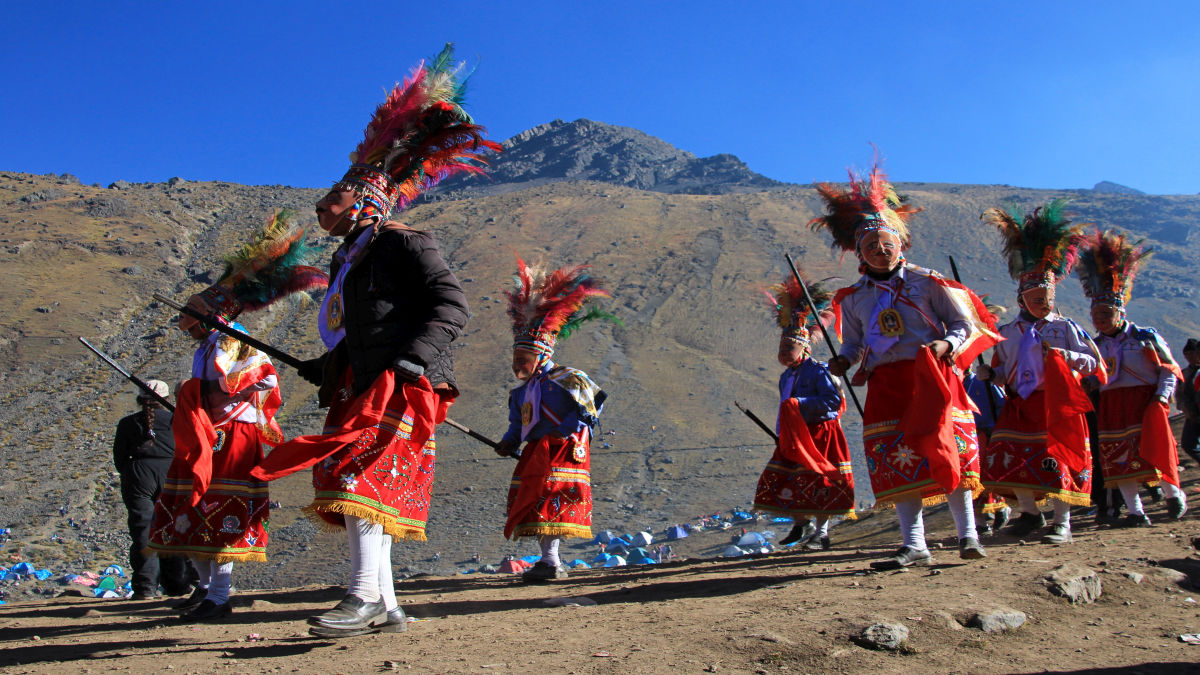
532, 558
42, 575
576, 563
782, 519
22, 568
114, 569
603, 537
601, 558
742, 515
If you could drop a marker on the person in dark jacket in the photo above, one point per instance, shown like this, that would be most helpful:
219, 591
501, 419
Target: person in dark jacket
142, 452
391, 311
1188, 402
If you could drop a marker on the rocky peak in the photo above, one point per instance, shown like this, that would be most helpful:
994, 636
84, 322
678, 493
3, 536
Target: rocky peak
589, 150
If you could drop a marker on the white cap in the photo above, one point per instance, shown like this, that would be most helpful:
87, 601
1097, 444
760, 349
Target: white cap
157, 386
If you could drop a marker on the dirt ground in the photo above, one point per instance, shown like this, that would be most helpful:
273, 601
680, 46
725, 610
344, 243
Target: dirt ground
784, 612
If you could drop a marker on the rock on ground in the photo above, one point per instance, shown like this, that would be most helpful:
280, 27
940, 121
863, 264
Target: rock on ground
1074, 582
883, 635
998, 620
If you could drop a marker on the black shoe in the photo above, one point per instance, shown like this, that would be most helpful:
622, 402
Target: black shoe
544, 572
800, 532
1025, 524
1156, 493
1176, 507
1002, 517
207, 610
352, 613
817, 544
970, 549
904, 557
192, 600
1135, 520
396, 622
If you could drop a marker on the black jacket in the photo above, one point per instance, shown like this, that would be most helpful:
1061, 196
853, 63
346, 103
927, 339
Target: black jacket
132, 443
401, 301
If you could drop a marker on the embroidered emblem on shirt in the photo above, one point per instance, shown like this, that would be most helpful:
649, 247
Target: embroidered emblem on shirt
891, 324
334, 320
526, 413
220, 442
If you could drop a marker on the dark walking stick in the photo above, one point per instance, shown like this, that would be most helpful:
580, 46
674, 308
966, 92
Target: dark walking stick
129, 376
812, 308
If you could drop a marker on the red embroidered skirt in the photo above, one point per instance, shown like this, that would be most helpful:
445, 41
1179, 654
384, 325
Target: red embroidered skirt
1017, 457
1120, 417
792, 489
897, 472
551, 490
230, 522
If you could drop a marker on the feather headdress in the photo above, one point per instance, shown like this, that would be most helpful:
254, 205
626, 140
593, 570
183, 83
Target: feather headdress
1042, 247
268, 268
870, 203
792, 314
418, 136
1107, 266
548, 306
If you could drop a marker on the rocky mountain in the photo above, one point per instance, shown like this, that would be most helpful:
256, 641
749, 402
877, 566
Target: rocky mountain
1116, 188
685, 270
587, 150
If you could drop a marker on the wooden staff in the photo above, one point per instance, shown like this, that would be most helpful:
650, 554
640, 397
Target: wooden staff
754, 418
129, 376
812, 308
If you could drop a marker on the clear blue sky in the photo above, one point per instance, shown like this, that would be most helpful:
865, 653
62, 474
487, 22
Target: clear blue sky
1045, 94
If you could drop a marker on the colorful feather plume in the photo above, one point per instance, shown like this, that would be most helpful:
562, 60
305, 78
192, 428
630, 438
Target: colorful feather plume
790, 309
551, 304
1043, 245
1108, 263
420, 134
272, 265
867, 199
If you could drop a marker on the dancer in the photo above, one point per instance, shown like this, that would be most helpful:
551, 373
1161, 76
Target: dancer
210, 508
554, 413
1039, 448
392, 309
809, 474
913, 332
1136, 443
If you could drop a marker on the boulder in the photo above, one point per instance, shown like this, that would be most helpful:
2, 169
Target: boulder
886, 636
997, 620
1073, 582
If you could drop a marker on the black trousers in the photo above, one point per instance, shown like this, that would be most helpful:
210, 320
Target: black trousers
141, 482
1190, 438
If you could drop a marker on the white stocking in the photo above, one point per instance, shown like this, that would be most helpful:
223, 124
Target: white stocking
1172, 492
1133, 501
386, 587
822, 523
549, 544
1026, 501
912, 524
964, 515
204, 571
366, 547
222, 580
1062, 513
